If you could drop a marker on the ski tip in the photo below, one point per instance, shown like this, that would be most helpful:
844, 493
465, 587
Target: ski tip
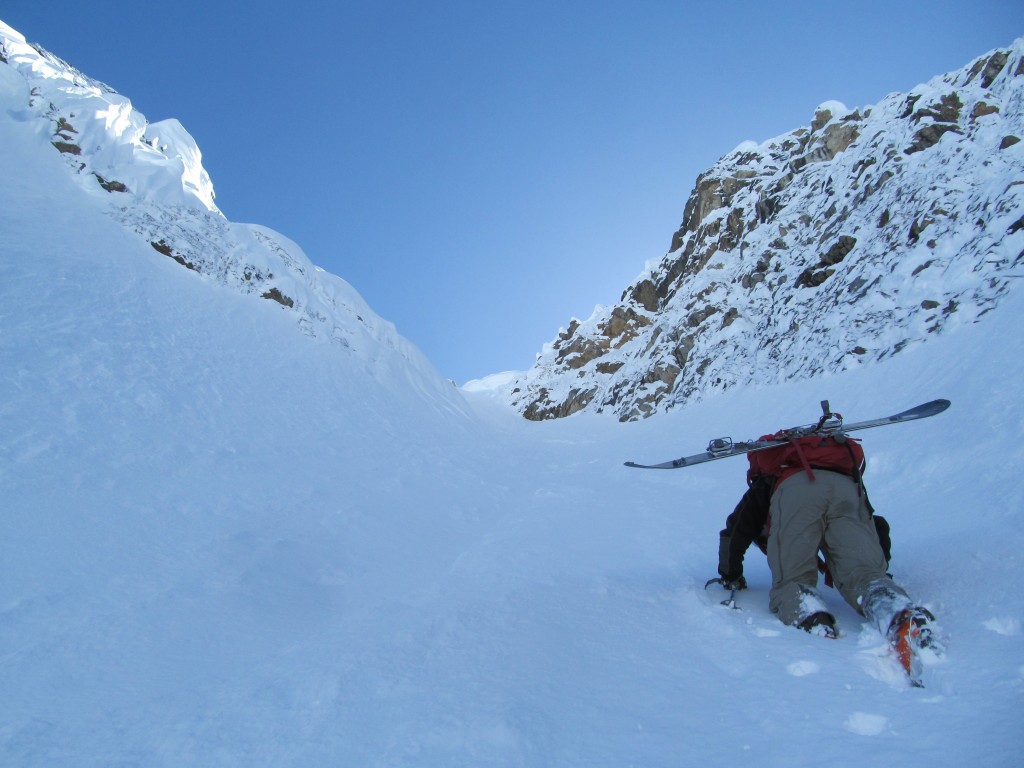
931, 408
934, 407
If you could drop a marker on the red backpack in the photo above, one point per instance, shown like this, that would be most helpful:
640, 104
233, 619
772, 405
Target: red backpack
835, 453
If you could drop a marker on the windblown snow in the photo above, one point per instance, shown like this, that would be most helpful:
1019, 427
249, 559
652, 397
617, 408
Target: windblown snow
242, 533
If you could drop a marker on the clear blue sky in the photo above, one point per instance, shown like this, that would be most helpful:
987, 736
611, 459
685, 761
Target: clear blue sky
482, 172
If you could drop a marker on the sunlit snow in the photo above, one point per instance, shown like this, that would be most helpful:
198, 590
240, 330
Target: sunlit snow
240, 534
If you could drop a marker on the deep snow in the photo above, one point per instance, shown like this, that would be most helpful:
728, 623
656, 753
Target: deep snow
227, 543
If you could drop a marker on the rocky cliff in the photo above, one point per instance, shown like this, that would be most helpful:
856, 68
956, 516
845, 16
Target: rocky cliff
840, 243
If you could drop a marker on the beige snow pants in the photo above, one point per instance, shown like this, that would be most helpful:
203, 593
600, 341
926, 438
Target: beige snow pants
829, 514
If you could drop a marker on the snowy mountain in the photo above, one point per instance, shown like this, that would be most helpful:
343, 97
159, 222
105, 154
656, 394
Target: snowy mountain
233, 537
149, 179
835, 245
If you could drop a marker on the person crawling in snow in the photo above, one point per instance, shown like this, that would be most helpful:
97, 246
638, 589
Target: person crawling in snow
808, 496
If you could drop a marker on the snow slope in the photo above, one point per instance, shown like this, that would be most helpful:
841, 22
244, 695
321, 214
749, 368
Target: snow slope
227, 542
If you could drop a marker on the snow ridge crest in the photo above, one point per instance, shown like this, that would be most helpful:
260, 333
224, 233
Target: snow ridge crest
149, 177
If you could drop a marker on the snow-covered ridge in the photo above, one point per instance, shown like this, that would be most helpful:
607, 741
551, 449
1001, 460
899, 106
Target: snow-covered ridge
149, 177
103, 136
837, 244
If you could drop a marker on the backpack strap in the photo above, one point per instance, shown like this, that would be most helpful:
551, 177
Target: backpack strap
824, 571
803, 459
857, 475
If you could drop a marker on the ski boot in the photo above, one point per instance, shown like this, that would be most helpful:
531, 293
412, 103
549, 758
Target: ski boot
820, 624
910, 634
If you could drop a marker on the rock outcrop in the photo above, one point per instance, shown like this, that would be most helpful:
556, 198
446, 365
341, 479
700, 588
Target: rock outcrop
837, 244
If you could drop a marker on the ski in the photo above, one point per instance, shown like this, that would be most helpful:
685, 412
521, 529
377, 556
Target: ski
829, 424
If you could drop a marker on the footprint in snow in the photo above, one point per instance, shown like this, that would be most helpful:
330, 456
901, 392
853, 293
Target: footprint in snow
864, 724
1006, 627
803, 668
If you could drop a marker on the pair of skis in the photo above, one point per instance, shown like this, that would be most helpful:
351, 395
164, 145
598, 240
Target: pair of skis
830, 424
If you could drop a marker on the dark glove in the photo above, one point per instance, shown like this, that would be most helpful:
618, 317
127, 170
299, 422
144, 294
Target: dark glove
730, 584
